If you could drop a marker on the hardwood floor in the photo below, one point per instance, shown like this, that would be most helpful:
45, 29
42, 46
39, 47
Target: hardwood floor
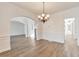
23, 47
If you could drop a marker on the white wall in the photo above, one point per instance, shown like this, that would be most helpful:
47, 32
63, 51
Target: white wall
54, 28
17, 28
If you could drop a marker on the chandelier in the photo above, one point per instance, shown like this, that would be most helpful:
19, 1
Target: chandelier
43, 17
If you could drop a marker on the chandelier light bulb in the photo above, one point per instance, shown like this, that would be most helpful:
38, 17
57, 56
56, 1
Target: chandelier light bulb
43, 15
39, 16
48, 15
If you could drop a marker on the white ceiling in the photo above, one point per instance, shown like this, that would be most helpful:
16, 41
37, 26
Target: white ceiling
50, 7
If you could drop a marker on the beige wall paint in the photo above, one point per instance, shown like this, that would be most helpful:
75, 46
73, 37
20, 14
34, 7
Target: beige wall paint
40, 30
7, 12
53, 29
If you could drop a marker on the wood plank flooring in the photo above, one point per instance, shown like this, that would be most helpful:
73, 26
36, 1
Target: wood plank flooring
23, 47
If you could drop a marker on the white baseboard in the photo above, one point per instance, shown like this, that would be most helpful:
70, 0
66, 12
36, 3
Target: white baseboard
17, 35
6, 49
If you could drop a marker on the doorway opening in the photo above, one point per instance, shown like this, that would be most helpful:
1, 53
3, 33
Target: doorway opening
22, 33
70, 38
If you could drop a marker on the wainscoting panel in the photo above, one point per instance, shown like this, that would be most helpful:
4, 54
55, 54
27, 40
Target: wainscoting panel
4, 42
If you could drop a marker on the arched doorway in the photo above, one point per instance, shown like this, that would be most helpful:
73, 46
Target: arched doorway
23, 32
